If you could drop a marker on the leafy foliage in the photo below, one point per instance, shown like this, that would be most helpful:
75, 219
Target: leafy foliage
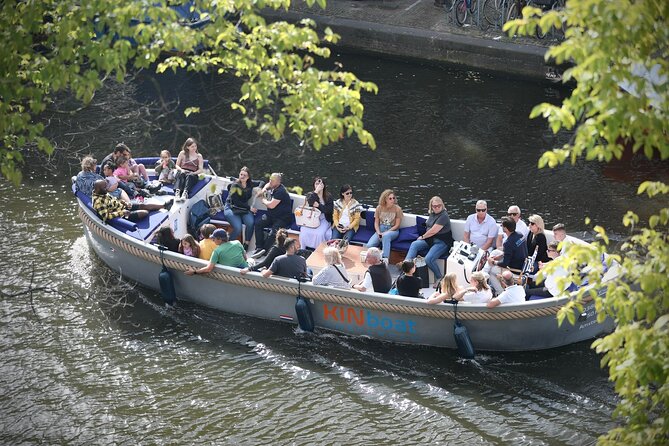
69, 46
618, 52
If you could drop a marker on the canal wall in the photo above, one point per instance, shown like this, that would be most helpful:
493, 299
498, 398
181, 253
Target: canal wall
424, 40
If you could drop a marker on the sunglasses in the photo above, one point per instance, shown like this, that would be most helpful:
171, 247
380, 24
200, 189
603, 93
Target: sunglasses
481, 210
436, 206
552, 250
391, 198
532, 223
348, 193
512, 214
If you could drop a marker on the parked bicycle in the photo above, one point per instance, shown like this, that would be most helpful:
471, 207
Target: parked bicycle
461, 9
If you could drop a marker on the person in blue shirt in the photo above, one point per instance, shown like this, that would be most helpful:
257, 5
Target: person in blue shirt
515, 252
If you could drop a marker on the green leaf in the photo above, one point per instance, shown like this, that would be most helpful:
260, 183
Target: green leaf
191, 110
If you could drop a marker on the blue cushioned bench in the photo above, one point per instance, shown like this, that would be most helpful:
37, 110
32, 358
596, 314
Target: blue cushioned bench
141, 230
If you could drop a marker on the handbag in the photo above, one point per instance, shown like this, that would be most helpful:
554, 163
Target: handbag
238, 210
308, 216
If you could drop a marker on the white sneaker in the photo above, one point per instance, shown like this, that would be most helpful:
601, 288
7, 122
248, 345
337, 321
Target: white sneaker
184, 196
177, 196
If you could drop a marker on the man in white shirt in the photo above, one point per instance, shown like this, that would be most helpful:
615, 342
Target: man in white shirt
480, 228
512, 293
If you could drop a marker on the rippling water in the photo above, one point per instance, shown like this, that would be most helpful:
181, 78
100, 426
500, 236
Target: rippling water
101, 361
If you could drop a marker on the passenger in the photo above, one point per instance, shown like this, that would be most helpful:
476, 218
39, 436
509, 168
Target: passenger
346, 214
165, 168
334, 274
550, 286
478, 293
321, 199
521, 227
438, 239
109, 207
515, 252
480, 228
227, 253
112, 183
387, 220
408, 284
289, 265
275, 251
537, 239
165, 236
238, 211
377, 277
189, 246
207, 245
512, 294
449, 287
279, 213
189, 165
122, 171
85, 181
138, 169
119, 151
560, 234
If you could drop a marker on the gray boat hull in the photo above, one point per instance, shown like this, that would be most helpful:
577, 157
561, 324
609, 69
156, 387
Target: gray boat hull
521, 327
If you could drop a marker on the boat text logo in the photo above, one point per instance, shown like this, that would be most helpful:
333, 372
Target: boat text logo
366, 318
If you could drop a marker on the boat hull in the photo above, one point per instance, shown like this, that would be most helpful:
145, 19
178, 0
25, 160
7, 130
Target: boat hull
522, 327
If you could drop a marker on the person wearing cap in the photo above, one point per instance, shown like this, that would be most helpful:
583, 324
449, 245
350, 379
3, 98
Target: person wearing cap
227, 253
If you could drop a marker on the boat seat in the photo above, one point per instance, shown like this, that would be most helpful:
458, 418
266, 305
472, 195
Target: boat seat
364, 233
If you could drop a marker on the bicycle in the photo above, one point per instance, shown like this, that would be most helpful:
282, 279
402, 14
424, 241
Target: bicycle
545, 6
461, 8
493, 12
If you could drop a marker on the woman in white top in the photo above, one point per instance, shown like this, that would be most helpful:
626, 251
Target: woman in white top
334, 274
479, 291
346, 214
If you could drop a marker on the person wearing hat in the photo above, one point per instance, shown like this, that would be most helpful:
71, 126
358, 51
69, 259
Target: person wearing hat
227, 253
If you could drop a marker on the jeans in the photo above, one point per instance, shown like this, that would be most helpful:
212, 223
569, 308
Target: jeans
185, 181
236, 221
346, 236
434, 253
385, 240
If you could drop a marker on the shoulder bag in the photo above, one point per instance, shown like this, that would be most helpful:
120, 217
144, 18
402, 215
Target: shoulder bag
307, 216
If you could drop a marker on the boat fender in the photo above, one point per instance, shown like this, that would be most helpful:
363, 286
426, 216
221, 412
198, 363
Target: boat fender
461, 335
304, 317
166, 281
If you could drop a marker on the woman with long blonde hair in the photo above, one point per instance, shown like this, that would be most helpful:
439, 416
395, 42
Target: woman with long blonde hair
387, 220
478, 293
448, 289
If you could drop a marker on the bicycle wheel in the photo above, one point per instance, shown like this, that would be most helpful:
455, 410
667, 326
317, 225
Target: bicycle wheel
460, 12
492, 13
512, 13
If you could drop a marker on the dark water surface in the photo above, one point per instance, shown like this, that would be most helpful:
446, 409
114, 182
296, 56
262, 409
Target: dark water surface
100, 361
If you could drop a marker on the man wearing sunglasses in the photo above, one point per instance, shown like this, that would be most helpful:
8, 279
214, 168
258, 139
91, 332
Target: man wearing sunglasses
521, 226
480, 228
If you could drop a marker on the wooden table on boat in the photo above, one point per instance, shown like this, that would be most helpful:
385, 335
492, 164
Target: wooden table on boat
351, 258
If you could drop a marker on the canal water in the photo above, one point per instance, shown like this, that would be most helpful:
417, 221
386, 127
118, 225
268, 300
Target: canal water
88, 358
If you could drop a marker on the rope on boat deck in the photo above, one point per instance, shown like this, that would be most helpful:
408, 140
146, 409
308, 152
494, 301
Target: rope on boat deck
442, 313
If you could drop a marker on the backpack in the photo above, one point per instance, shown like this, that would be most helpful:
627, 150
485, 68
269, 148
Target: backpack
199, 215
